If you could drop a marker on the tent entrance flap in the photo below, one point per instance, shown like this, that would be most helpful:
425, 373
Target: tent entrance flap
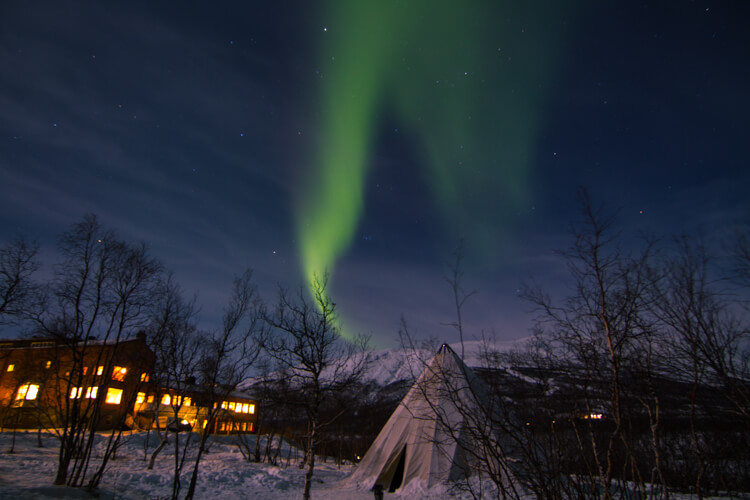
393, 470
398, 475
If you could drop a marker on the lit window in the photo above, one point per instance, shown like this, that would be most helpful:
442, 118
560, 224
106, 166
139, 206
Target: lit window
238, 408
118, 373
150, 398
27, 392
91, 392
140, 398
144, 377
166, 399
187, 401
224, 405
85, 369
114, 396
32, 392
205, 423
251, 408
48, 364
99, 370
231, 405
75, 392
11, 368
244, 408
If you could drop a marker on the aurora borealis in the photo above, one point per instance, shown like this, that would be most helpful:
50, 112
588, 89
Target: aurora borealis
467, 81
367, 138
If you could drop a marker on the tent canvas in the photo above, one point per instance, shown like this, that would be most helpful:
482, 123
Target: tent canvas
423, 439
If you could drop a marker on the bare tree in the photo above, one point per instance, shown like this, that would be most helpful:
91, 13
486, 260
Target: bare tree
598, 325
313, 358
175, 340
460, 296
227, 355
101, 293
740, 258
709, 342
18, 294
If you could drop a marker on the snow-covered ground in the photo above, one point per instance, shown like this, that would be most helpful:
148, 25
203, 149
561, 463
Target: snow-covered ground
224, 474
28, 474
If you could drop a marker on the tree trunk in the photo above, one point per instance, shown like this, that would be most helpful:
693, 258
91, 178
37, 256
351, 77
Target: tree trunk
162, 444
693, 430
199, 455
176, 476
311, 459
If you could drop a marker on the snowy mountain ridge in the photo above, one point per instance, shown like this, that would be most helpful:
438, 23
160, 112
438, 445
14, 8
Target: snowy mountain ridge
389, 366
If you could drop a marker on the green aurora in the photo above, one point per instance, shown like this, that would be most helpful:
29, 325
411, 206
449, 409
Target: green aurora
467, 79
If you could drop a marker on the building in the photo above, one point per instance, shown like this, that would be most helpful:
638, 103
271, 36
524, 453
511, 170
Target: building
190, 407
44, 382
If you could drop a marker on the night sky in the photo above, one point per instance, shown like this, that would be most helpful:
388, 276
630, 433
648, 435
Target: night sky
368, 139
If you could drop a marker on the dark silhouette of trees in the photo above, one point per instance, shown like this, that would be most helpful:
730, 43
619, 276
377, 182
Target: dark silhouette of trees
19, 296
312, 360
226, 356
101, 293
599, 326
636, 381
176, 342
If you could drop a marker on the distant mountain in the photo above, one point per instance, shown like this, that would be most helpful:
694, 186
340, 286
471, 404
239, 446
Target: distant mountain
400, 367
388, 366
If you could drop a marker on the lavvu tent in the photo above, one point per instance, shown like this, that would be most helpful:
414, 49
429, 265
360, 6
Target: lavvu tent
427, 440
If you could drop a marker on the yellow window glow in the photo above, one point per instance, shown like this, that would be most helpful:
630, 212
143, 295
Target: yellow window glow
244, 408
32, 392
231, 405
99, 370
224, 405
140, 398
114, 396
118, 373
27, 392
187, 401
144, 377
91, 392
48, 364
166, 399
150, 398
251, 409
75, 392
11, 368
